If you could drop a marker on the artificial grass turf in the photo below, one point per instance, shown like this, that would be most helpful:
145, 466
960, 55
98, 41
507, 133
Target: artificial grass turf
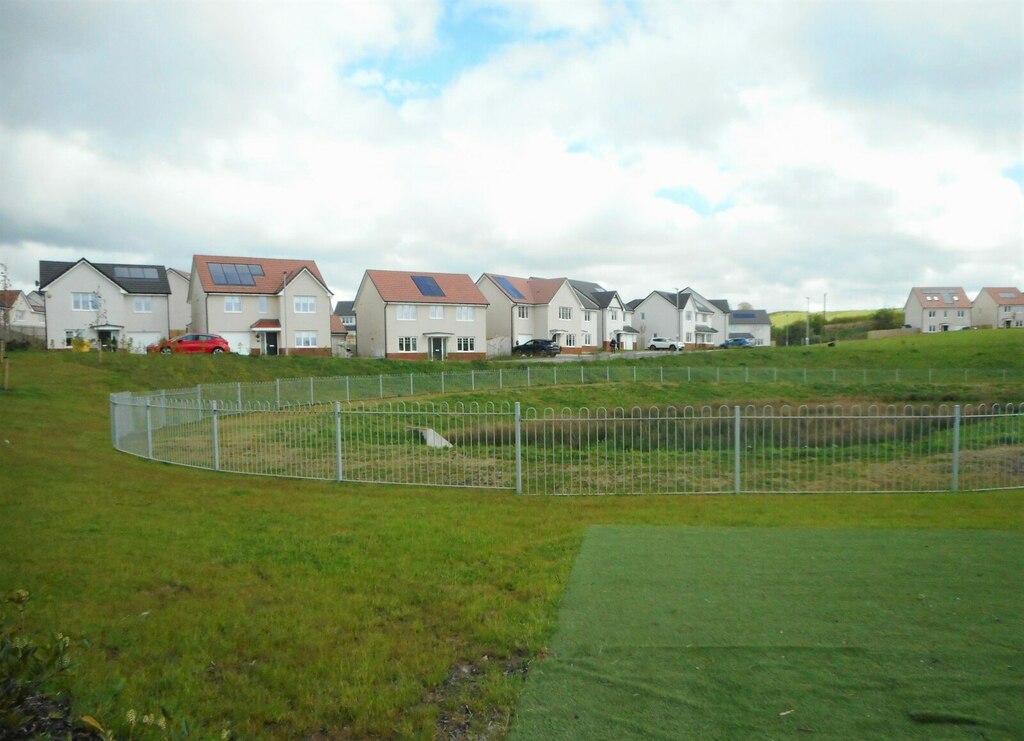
765, 633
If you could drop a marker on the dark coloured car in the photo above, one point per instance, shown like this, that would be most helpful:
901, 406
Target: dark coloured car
537, 347
192, 343
736, 342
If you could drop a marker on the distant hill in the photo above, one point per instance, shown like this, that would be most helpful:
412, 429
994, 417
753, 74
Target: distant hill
782, 318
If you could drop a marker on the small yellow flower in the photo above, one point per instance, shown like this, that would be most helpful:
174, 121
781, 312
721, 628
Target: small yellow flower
162, 722
147, 720
225, 735
130, 717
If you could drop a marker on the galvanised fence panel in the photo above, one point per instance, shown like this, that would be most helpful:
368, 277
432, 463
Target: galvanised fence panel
305, 428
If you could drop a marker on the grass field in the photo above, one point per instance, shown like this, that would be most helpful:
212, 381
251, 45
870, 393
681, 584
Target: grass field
782, 318
721, 633
280, 608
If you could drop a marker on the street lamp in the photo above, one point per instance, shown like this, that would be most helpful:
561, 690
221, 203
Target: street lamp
679, 325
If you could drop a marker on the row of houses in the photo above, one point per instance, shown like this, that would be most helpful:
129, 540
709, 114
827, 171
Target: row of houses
948, 309
279, 306
275, 306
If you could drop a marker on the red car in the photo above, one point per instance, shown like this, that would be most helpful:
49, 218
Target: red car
211, 343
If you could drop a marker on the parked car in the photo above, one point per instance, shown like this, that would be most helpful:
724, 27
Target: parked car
736, 342
665, 343
208, 343
537, 347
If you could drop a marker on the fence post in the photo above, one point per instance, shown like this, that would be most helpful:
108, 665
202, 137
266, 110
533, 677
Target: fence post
380, 379
581, 374
337, 441
412, 385
607, 373
897, 375
527, 376
501, 378
238, 392
718, 375
805, 376
199, 394
634, 374
216, 437
149, 429
277, 386
956, 448
442, 382
555, 369
472, 379
736, 448
312, 393
746, 375
661, 374
348, 395
519, 451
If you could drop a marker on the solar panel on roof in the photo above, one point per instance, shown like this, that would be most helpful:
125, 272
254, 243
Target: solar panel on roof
217, 273
1005, 294
230, 274
744, 315
256, 270
427, 285
510, 289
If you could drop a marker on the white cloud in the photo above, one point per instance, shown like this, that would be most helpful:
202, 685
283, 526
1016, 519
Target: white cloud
145, 132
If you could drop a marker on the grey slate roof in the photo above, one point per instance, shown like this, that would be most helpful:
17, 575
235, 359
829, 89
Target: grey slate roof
750, 316
631, 305
346, 308
722, 304
51, 270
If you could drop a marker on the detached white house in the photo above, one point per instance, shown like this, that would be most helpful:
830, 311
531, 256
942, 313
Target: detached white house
113, 304
945, 309
753, 324
1002, 308
523, 309
262, 305
22, 317
684, 315
420, 316
612, 320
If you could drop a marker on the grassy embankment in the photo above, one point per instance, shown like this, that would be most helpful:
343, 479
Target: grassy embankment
276, 608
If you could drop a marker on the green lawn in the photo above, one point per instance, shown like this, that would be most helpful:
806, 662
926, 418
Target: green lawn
720, 633
782, 318
277, 608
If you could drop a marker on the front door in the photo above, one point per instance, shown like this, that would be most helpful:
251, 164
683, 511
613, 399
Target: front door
271, 338
438, 348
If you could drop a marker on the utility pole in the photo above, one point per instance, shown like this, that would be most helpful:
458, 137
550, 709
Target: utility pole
807, 338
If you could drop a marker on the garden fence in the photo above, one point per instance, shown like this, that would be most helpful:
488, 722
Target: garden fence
295, 429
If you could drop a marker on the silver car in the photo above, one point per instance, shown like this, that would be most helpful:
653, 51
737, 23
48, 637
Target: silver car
665, 343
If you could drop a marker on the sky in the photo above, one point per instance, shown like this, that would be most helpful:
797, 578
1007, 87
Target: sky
774, 152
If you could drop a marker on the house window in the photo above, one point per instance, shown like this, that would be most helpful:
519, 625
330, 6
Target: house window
84, 301
570, 340
565, 312
305, 339
437, 312
931, 313
931, 327
70, 335
587, 316
689, 336
304, 304
689, 315
348, 320
465, 313
524, 312
406, 312
588, 339
406, 344
264, 304
1006, 309
19, 315
143, 304
643, 315
232, 304
615, 315
467, 344
960, 312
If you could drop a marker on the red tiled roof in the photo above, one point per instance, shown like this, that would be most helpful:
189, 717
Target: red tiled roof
1002, 295
276, 273
396, 285
7, 298
266, 324
535, 290
337, 326
942, 298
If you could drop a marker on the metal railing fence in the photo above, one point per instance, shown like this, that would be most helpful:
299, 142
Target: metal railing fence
290, 391
582, 451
